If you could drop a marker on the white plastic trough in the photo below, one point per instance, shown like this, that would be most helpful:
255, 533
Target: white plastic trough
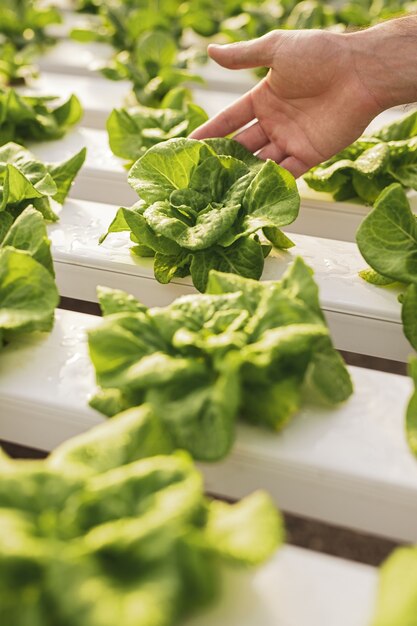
348, 466
296, 588
70, 20
363, 318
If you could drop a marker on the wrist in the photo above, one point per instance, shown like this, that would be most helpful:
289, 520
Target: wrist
383, 57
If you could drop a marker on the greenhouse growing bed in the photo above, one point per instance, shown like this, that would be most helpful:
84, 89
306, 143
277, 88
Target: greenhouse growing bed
347, 461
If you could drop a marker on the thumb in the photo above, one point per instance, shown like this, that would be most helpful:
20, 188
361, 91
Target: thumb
245, 54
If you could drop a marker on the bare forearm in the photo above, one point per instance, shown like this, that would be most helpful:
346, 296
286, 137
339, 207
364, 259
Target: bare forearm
385, 59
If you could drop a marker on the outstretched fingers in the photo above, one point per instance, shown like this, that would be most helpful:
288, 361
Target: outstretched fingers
229, 120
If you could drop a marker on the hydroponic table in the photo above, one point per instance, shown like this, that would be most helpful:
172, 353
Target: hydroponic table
349, 466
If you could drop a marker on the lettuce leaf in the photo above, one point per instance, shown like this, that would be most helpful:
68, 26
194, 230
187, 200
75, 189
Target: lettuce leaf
28, 294
387, 239
133, 130
244, 348
397, 598
24, 180
121, 520
202, 204
16, 66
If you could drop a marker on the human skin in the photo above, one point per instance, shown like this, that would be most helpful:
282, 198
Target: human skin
321, 91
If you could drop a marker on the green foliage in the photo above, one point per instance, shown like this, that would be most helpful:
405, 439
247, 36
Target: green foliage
244, 349
146, 39
311, 14
247, 20
155, 66
397, 598
387, 239
124, 528
29, 118
202, 204
23, 36
28, 294
16, 66
364, 169
133, 130
24, 22
24, 180
123, 24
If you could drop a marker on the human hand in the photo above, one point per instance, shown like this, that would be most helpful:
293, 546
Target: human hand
313, 102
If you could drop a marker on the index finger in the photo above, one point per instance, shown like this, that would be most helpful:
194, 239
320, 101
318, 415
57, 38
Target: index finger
227, 121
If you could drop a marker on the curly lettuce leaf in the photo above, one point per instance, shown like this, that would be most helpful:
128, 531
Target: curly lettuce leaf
387, 237
25, 119
244, 257
372, 163
28, 233
133, 130
28, 294
24, 180
245, 532
63, 174
331, 176
403, 128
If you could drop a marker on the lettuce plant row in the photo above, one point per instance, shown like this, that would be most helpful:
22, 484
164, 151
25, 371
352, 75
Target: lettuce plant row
114, 528
202, 204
